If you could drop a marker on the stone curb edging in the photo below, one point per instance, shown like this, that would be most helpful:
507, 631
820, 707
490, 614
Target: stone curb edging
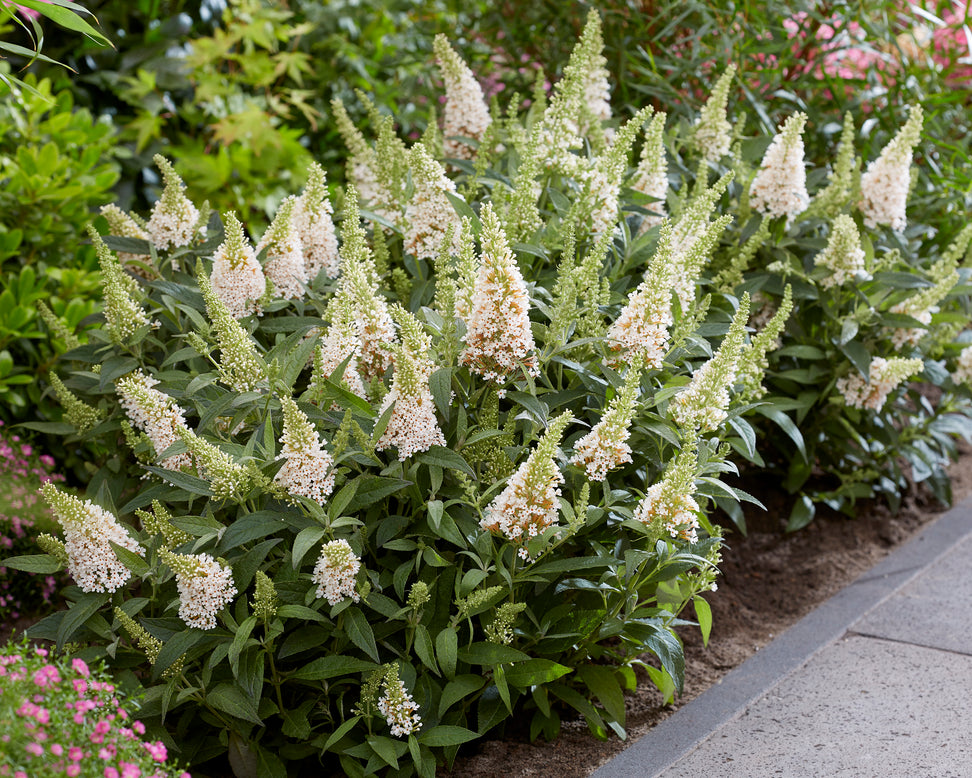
681, 732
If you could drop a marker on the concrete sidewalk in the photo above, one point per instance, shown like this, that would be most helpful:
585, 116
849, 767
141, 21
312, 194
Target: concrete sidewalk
875, 683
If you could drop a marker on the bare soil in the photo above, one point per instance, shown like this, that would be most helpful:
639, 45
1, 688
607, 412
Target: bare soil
769, 581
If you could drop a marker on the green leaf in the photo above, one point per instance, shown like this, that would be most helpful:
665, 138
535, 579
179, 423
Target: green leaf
342, 499
330, 667
603, 683
458, 688
135, 563
372, 488
447, 458
423, 647
306, 539
340, 732
79, 613
295, 611
239, 641
33, 563
802, 514
183, 481
440, 383
859, 356
230, 698
848, 330
533, 672
445, 735
360, 632
385, 748
666, 646
175, 647
703, 612
446, 649
490, 654
66, 18
252, 526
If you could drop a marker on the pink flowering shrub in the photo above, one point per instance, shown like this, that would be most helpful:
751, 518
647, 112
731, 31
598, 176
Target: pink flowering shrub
23, 514
61, 717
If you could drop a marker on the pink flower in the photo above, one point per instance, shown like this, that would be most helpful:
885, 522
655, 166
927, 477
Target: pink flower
73, 771
35, 748
80, 667
111, 772
75, 754
139, 727
157, 751
57, 749
130, 770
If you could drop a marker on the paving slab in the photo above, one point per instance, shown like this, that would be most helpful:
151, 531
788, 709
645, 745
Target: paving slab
706, 718
864, 708
932, 610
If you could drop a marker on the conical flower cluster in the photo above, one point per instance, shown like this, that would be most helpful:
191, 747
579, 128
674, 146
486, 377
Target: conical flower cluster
335, 572
205, 587
843, 255
359, 286
363, 167
312, 218
78, 413
412, 426
429, 213
921, 306
780, 186
239, 365
498, 336
227, 478
341, 342
963, 367
712, 129
237, 277
285, 256
123, 313
704, 403
466, 112
89, 531
885, 183
651, 177
641, 329
884, 377
174, 217
752, 362
529, 503
154, 413
668, 506
308, 468
604, 447
124, 226
397, 706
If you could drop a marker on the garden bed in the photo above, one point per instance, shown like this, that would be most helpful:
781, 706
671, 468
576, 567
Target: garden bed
769, 582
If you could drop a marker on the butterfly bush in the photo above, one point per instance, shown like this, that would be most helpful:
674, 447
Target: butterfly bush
373, 531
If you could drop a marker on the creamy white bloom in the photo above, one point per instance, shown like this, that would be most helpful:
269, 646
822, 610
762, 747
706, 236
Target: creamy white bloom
397, 706
285, 255
312, 218
885, 183
205, 587
843, 255
174, 217
154, 413
884, 376
429, 213
237, 277
89, 531
498, 335
466, 112
529, 503
780, 186
123, 225
963, 367
412, 426
712, 129
651, 176
677, 513
308, 468
335, 572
